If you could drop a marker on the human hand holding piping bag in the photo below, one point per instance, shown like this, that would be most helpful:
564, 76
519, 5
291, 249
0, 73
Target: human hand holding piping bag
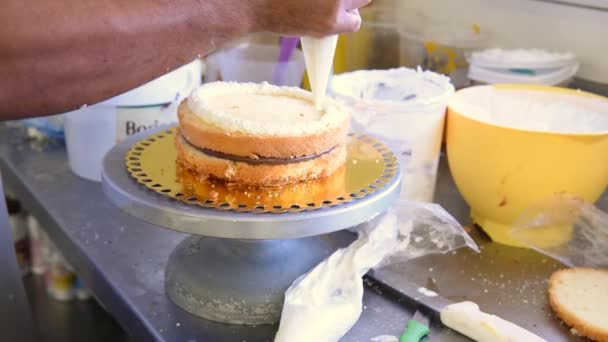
83, 60
315, 18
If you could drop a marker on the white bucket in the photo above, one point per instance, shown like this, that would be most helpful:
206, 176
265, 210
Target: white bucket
522, 66
404, 108
92, 131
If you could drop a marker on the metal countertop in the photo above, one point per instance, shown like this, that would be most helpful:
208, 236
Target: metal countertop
122, 259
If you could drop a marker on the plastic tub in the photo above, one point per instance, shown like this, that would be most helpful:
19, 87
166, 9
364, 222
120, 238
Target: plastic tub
90, 132
254, 63
522, 66
556, 77
405, 108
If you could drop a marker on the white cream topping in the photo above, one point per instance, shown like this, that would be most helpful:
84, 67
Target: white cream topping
426, 292
264, 109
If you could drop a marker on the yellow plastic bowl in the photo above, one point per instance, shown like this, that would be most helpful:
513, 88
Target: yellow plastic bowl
502, 171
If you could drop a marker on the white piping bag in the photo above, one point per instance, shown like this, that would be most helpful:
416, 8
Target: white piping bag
319, 56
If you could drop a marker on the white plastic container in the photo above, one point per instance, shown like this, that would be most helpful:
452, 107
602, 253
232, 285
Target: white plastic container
254, 63
91, 132
548, 77
522, 66
404, 108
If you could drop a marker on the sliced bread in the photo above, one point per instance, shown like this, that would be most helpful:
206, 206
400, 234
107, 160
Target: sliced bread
579, 297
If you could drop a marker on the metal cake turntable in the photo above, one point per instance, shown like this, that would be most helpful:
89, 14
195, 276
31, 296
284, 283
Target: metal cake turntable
248, 244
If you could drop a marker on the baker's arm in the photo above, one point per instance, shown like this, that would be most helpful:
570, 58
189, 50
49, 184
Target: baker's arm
56, 56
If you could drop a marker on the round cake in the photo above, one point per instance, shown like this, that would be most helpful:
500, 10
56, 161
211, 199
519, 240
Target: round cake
260, 134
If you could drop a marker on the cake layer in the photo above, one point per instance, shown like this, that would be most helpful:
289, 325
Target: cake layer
206, 165
204, 135
264, 110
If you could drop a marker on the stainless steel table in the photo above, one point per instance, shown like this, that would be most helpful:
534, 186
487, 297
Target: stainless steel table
122, 259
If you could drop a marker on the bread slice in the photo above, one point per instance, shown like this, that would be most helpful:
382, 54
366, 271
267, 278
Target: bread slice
192, 158
579, 297
261, 120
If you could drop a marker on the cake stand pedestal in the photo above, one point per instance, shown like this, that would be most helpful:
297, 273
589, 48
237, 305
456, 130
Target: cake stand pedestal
236, 266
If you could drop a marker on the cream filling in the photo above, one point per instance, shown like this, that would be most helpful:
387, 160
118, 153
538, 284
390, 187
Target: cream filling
264, 109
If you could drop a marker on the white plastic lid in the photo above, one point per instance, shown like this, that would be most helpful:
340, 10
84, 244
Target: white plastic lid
400, 86
534, 59
541, 77
162, 90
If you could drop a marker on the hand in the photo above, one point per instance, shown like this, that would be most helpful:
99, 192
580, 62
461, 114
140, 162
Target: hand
316, 18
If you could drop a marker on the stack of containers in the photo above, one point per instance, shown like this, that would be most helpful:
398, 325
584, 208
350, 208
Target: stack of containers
522, 66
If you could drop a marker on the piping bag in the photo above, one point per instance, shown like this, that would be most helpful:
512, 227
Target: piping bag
324, 304
581, 229
319, 56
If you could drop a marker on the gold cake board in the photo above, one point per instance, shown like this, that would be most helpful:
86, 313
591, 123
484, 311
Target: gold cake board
370, 165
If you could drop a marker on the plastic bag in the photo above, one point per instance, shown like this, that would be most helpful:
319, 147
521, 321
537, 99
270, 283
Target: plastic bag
51, 126
324, 304
433, 231
565, 228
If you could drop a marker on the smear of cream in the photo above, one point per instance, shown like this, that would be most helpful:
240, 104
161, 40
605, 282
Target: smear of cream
426, 292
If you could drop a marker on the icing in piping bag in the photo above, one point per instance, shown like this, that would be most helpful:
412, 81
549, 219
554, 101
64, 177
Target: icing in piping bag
319, 56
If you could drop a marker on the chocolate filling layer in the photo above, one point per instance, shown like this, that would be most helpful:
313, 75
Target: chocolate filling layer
260, 160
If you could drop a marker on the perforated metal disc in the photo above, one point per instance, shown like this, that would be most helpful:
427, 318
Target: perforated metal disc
150, 187
369, 166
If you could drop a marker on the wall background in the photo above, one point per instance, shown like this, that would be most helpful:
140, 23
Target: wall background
526, 23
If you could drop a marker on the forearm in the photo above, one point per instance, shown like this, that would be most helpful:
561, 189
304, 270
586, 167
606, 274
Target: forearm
59, 55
